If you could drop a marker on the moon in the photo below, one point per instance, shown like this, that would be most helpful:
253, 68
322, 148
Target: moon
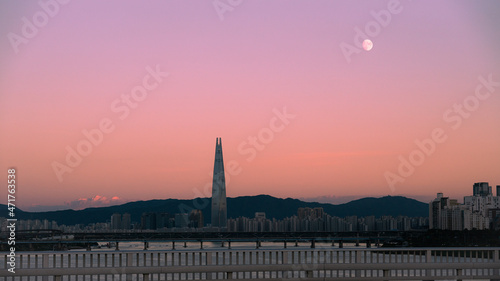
367, 44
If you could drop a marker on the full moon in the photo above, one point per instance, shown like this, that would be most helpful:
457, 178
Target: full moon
367, 44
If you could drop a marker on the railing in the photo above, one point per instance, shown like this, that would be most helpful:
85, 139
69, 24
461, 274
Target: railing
263, 264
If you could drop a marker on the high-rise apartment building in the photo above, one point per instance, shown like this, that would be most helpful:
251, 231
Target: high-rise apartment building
481, 189
181, 220
196, 219
116, 221
126, 221
148, 221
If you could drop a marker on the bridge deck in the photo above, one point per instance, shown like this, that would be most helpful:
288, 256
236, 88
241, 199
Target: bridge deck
259, 264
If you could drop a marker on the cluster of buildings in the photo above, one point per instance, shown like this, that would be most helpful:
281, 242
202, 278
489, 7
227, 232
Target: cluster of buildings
479, 211
308, 219
53, 225
158, 221
35, 224
122, 222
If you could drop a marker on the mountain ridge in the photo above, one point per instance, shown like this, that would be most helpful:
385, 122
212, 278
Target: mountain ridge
243, 206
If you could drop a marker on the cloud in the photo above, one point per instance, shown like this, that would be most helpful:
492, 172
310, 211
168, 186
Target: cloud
96, 201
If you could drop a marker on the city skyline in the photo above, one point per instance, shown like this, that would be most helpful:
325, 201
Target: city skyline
100, 105
478, 211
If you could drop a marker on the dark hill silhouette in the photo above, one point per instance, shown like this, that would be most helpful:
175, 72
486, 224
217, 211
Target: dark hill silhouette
245, 206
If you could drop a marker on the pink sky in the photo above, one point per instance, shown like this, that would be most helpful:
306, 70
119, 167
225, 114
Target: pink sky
227, 77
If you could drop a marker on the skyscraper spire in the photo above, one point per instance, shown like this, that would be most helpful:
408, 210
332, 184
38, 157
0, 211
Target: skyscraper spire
219, 207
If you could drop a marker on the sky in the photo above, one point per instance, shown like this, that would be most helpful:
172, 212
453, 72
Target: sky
115, 101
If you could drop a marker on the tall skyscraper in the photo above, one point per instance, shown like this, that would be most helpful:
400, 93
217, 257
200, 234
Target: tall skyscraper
219, 207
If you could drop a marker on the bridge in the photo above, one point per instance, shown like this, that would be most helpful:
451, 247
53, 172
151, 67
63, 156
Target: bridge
32, 240
258, 264
190, 235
